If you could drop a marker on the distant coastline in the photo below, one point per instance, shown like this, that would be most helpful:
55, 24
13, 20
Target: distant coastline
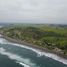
34, 46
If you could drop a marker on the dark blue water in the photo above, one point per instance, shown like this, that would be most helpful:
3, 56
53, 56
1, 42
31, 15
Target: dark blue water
15, 56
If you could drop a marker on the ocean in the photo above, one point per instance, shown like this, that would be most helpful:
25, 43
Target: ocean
17, 55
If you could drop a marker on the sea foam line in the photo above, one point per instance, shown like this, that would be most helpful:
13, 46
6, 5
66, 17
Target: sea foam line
22, 61
39, 52
23, 64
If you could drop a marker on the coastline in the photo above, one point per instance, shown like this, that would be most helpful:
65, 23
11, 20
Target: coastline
34, 46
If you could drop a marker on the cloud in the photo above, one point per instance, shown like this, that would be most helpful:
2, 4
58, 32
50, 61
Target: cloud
51, 10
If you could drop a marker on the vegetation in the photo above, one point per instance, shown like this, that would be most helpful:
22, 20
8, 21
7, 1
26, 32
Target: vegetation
53, 37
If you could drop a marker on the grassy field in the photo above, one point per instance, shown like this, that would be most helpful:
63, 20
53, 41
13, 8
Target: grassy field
53, 37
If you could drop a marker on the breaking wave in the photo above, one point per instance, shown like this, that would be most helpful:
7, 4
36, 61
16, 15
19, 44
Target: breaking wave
39, 52
23, 64
22, 61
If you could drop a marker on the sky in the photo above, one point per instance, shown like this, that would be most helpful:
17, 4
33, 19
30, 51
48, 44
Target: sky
33, 11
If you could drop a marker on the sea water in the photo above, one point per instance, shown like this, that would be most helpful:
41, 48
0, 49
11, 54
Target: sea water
19, 55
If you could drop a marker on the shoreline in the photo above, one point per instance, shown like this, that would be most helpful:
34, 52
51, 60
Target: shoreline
34, 46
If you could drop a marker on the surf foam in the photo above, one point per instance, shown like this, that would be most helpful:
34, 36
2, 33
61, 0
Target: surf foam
39, 52
23, 64
22, 61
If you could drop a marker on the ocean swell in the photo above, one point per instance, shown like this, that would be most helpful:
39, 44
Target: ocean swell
39, 52
22, 61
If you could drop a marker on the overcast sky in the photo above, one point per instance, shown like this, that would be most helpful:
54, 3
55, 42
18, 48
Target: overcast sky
46, 11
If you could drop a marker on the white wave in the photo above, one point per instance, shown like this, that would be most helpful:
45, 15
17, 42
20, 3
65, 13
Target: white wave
39, 52
25, 65
24, 62
54, 56
3, 41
